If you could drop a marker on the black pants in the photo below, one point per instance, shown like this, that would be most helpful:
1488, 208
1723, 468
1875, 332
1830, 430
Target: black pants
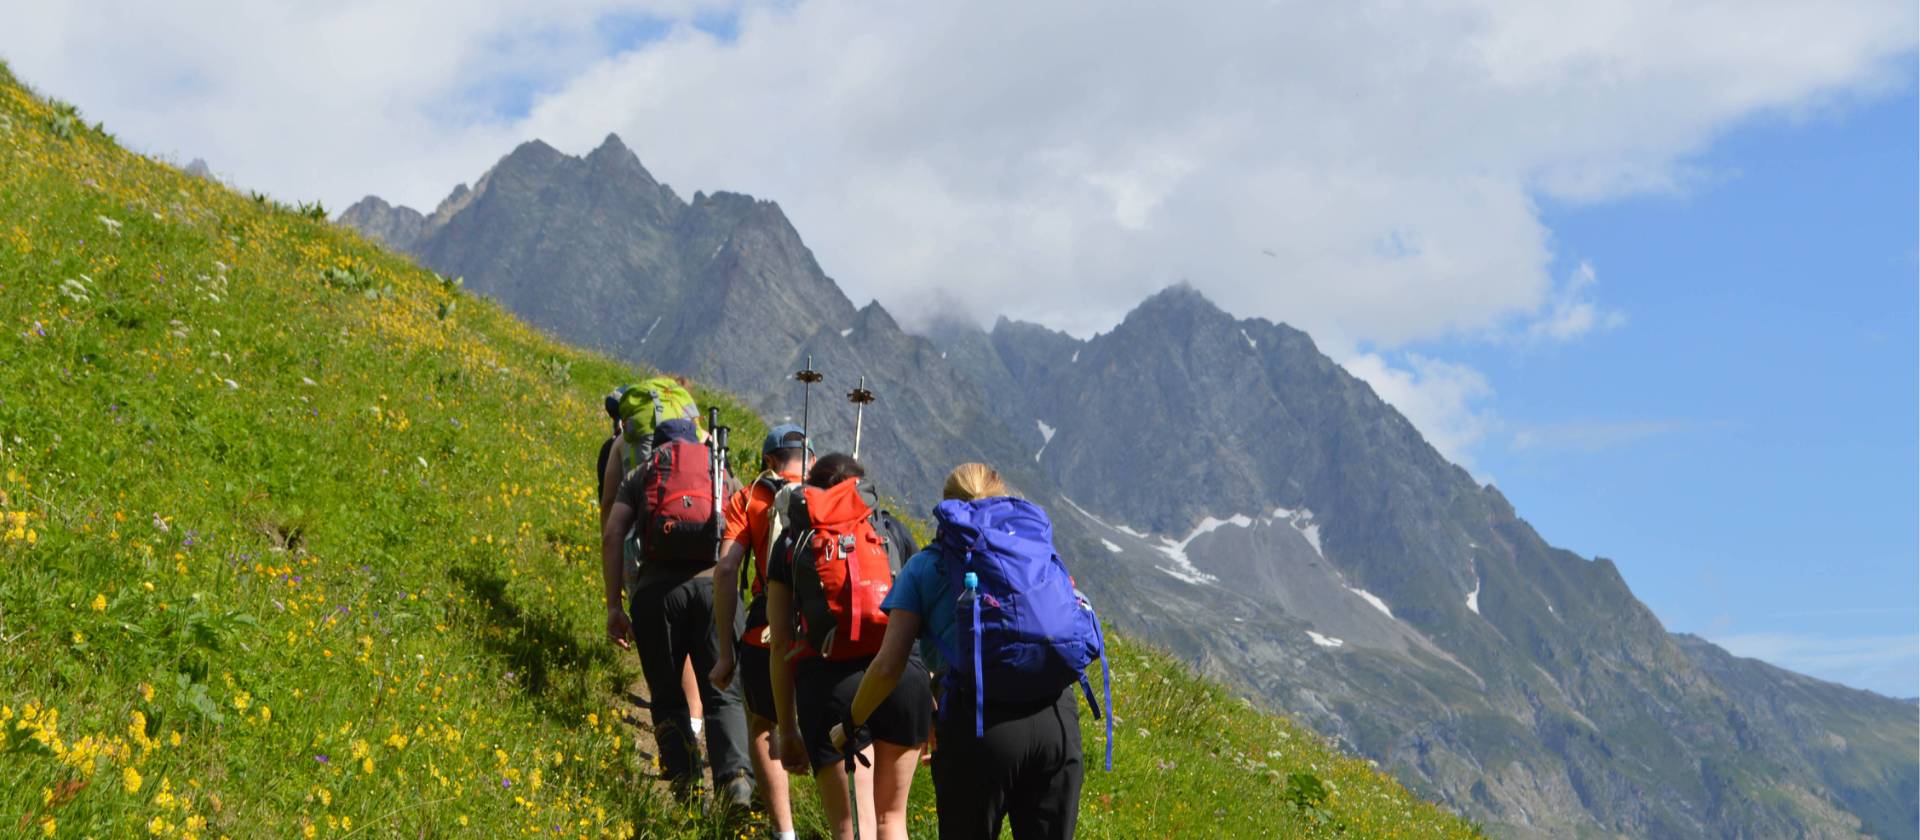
672, 622
1026, 769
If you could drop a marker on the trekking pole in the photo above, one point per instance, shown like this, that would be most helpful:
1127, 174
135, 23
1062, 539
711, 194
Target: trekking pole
853, 790
807, 377
860, 397
716, 467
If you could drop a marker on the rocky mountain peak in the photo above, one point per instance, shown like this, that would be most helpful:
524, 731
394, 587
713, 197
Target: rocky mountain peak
398, 227
1178, 304
874, 316
612, 159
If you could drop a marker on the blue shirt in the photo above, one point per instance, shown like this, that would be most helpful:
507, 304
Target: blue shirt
922, 588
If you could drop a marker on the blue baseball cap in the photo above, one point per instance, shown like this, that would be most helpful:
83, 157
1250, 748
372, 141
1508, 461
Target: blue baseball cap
776, 439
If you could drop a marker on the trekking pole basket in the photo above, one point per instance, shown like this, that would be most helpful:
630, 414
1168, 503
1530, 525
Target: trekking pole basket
807, 377
860, 397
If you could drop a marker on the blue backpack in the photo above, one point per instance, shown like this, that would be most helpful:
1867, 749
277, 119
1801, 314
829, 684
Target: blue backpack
1025, 632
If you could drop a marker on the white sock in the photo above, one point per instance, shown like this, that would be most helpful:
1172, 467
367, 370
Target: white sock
787, 835
698, 725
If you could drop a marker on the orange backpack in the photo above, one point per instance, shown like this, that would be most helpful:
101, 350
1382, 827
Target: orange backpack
844, 561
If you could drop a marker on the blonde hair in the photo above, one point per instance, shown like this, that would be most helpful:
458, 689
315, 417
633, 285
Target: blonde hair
973, 481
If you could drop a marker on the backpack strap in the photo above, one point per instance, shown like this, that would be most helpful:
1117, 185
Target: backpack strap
979, 677
1106, 687
810, 595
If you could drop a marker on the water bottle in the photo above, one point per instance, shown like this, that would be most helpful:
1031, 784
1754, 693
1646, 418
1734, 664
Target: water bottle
968, 610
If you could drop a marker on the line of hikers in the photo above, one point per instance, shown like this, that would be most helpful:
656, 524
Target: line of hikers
853, 639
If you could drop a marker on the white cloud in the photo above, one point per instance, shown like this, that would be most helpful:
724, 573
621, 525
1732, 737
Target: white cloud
1058, 160
1887, 664
1572, 312
1444, 400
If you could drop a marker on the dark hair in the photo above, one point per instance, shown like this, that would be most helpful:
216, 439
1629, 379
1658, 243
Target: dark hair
787, 454
834, 468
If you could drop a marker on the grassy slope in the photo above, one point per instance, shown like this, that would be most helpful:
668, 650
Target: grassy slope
281, 557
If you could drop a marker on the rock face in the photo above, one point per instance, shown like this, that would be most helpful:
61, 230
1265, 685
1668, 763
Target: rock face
1226, 490
398, 228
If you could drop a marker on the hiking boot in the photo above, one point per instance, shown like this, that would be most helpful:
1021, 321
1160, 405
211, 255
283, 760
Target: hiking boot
736, 793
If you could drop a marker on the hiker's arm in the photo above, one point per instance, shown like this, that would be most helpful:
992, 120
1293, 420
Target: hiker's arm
780, 674
903, 629
610, 480
613, 572
726, 599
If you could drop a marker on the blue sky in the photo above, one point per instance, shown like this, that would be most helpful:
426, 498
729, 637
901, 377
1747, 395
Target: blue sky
1744, 444
1649, 268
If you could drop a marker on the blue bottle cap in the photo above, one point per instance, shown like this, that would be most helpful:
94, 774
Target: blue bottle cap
972, 580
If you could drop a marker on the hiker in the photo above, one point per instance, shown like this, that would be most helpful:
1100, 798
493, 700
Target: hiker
830, 571
755, 515
614, 453
1015, 758
672, 605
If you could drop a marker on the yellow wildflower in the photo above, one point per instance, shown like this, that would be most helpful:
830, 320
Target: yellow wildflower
100, 602
130, 779
242, 700
48, 826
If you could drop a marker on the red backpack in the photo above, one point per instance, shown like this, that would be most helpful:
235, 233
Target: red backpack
843, 566
677, 526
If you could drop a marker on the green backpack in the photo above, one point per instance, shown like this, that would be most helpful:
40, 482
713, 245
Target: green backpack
646, 405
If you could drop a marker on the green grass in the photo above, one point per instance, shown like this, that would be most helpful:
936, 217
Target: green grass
297, 539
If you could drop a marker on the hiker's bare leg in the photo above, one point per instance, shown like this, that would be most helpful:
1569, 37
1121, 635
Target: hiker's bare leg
772, 776
691, 687
892, 777
831, 781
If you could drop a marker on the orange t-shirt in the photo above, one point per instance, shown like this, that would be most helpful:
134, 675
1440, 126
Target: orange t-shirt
747, 522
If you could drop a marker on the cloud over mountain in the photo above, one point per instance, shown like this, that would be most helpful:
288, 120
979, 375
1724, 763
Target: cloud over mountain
1366, 171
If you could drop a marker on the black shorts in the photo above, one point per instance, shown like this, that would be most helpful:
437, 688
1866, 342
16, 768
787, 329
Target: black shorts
824, 694
750, 668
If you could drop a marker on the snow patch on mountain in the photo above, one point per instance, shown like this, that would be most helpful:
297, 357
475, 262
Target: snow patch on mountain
1076, 357
1302, 521
846, 332
649, 333
1371, 599
1177, 551
1324, 641
1473, 598
1111, 545
1046, 437
1250, 342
